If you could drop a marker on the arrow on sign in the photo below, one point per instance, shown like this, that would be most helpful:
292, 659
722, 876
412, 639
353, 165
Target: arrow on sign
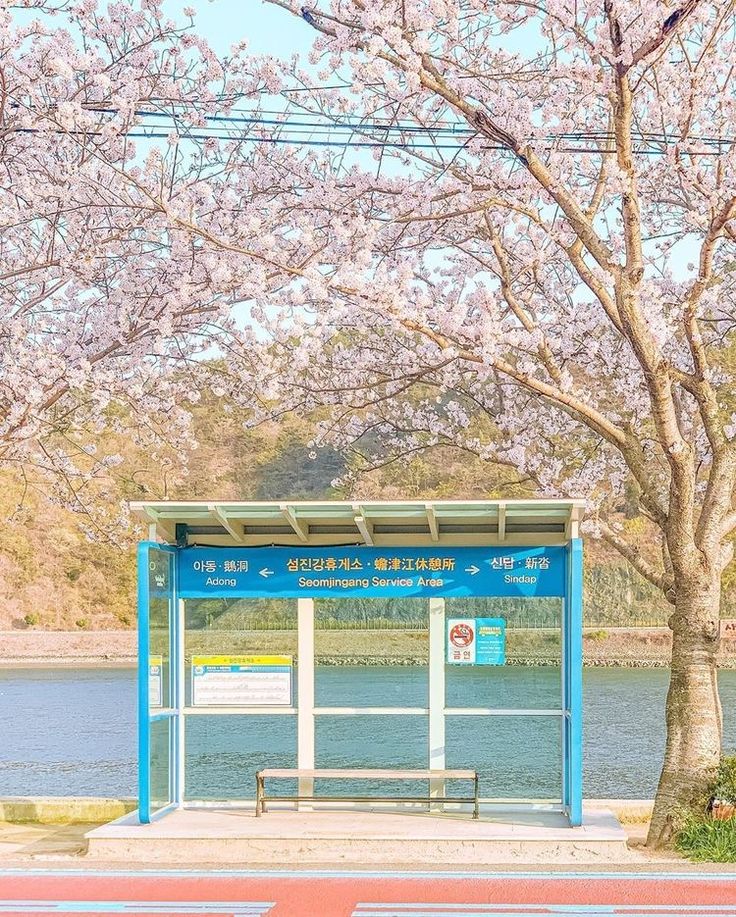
472, 569
266, 572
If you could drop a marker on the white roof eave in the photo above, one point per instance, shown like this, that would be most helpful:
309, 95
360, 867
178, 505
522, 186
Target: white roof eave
306, 522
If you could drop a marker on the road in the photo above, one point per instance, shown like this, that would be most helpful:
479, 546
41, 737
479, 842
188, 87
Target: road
312, 893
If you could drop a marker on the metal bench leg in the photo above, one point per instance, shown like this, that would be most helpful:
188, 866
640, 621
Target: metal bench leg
259, 794
475, 808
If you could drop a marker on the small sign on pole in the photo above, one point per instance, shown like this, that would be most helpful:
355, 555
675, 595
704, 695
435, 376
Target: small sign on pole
728, 628
476, 641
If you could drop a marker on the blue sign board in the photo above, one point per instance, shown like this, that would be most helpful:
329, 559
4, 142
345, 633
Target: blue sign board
371, 572
490, 641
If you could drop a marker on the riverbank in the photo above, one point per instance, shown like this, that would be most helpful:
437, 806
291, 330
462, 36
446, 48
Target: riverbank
613, 647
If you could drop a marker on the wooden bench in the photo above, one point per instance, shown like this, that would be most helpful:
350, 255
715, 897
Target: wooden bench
332, 773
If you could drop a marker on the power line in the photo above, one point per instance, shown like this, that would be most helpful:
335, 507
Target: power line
323, 130
456, 129
353, 144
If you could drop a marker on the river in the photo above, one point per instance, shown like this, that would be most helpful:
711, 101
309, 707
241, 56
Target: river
70, 731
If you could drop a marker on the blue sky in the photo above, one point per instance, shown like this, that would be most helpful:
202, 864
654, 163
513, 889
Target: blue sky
268, 29
272, 30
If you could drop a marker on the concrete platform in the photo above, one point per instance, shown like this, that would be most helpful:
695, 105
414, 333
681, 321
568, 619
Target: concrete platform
358, 837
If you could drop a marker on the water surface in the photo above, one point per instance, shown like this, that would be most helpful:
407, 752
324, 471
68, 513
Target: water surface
73, 731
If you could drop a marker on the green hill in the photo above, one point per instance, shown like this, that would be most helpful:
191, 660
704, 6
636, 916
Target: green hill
52, 576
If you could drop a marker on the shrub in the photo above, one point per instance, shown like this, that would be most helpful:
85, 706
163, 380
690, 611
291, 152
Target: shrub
32, 618
82, 623
704, 839
597, 635
724, 789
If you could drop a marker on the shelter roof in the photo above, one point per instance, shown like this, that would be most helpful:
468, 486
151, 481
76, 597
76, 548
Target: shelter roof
363, 522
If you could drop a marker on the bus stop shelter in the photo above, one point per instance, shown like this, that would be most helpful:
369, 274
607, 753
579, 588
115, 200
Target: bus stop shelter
432, 551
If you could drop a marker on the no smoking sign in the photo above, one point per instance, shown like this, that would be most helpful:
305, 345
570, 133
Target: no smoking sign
476, 641
461, 641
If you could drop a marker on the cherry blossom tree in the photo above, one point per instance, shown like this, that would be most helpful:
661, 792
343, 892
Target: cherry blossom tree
107, 300
539, 268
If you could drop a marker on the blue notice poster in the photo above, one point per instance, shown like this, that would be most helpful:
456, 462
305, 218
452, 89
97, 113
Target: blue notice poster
490, 638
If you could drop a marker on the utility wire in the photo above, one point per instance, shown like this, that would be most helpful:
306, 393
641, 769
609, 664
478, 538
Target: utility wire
322, 130
457, 129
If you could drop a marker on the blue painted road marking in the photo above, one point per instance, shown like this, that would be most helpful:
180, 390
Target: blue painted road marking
372, 908
526, 910
423, 909
237, 909
385, 894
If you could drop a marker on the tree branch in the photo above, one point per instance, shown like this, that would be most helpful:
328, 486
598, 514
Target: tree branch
634, 557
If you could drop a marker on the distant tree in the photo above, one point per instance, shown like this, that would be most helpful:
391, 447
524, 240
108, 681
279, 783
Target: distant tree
297, 470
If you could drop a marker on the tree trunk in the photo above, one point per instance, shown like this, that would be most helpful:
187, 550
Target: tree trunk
693, 711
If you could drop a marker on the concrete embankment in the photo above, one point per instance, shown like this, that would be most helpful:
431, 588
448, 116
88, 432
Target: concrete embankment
625, 647
50, 647
63, 810
78, 810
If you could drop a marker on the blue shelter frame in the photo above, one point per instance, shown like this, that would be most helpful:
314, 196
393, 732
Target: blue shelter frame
485, 548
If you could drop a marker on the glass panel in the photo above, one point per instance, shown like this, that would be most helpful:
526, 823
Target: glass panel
371, 741
383, 646
160, 579
371, 686
517, 757
239, 627
224, 752
504, 687
539, 616
531, 678
161, 783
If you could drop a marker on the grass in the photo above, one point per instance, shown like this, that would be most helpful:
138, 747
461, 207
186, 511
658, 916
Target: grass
704, 839
597, 635
642, 817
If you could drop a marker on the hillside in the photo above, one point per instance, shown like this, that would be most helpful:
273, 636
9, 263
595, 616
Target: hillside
53, 577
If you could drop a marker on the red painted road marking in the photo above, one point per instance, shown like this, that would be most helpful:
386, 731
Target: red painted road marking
339, 897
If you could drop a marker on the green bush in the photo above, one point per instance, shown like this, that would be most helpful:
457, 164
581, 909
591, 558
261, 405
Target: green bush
704, 839
82, 623
597, 635
32, 618
725, 786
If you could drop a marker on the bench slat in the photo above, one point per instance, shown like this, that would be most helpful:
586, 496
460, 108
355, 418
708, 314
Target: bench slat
425, 799
367, 774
